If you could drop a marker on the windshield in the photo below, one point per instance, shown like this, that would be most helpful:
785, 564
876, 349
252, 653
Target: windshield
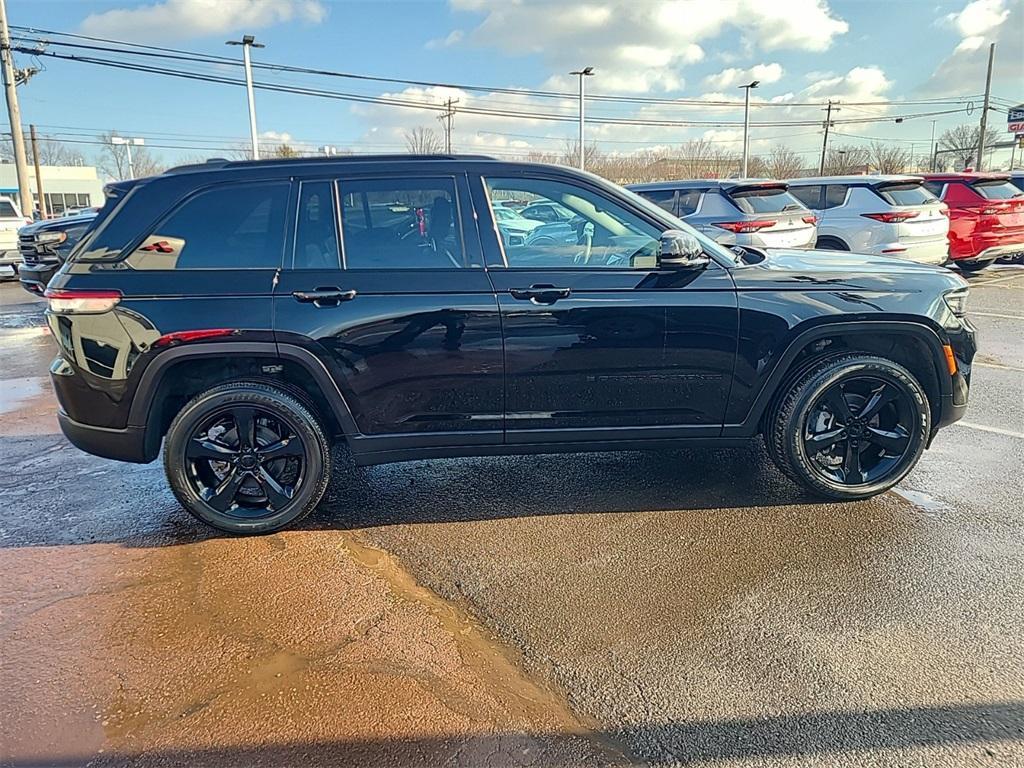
909, 193
996, 189
765, 200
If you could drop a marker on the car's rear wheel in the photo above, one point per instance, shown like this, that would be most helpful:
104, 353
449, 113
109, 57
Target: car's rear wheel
831, 244
247, 457
851, 427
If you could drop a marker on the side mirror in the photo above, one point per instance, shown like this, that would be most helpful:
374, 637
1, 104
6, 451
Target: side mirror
681, 250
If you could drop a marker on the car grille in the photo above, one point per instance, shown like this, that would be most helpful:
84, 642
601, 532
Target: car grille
32, 252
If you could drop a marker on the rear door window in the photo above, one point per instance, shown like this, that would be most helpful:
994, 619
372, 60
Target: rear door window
935, 187
663, 198
764, 200
410, 223
689, 200
835, 195
996, 189
911, 193
809, 195
316, 234
230, 227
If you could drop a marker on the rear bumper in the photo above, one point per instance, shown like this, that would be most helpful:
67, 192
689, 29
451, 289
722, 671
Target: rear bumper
128, 444
992, 253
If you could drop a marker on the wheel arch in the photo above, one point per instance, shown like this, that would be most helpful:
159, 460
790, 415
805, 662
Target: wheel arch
176, 375
913, 345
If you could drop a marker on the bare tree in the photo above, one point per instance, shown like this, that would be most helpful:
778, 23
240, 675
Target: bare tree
889, 158
782, 163
423, 141
846, 159
112, 159
571, 155
51, 152
961, 144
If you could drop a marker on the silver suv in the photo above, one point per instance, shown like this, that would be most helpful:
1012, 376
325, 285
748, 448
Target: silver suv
737, 211
881, 215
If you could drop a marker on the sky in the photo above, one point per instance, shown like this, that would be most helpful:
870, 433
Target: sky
803, 52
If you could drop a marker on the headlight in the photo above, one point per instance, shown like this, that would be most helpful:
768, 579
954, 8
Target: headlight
956, 300
51, 237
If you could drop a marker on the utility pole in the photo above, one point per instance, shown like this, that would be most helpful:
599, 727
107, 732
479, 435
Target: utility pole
39, 175
932, 169
446, 121
582, 73
984, 110
247, 42
14, 113
824, 143
746, 124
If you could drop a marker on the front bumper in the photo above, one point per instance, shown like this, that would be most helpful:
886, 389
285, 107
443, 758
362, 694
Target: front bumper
953, 404
34, 277
128, 444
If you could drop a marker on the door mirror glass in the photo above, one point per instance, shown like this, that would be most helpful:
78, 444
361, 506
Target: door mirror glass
681, 250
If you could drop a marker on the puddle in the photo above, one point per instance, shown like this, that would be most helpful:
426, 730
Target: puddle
14, 392
922, 500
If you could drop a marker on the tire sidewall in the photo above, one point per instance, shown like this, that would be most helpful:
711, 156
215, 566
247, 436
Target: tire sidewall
877, 368
278, 404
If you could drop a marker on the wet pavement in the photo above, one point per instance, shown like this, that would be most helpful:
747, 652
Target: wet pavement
675, 608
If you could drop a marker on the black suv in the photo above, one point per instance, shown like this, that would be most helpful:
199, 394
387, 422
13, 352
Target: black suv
247, 314
45, 245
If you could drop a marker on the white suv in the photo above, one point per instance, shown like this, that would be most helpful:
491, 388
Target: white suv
11, 221
882, 215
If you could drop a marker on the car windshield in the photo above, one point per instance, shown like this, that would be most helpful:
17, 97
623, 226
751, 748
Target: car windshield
765, 200
996, 189
7, 210
909, 193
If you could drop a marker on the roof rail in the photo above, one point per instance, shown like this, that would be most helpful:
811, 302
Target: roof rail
220, 162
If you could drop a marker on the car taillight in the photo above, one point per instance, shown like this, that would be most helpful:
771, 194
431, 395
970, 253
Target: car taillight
893, 217
183, 337
990, 210
81, 302
745, 226
810, 219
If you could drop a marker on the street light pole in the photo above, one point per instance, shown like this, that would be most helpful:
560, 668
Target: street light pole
14, 113
746, 124
932, 169
984, 110
582, 73
127, 143
247, 42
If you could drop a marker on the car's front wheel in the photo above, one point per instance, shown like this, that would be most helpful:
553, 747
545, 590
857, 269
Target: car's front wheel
247, 457
851, 427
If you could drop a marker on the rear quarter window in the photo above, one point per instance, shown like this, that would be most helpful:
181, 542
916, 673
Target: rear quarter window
808, 195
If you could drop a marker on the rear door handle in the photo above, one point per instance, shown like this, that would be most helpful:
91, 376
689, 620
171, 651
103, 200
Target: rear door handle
540, 293
324, 297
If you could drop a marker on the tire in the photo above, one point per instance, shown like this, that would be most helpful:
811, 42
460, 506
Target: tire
247, 458
850, 427
830, 244
973, 267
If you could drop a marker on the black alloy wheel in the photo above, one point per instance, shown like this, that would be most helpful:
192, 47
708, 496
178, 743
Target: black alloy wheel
859, 429
245, 462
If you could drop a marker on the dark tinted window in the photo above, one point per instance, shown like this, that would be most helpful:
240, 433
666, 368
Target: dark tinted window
400, 224
316, 235
688, 201
230, 227
809, 196
835, 195
905, 194
935, 187
7, 210
997, 189
664, 198
765, 200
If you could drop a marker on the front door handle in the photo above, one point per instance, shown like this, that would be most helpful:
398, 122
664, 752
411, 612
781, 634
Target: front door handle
540, 293
324, 297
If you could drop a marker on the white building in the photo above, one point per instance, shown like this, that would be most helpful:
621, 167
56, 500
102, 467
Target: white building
65, 186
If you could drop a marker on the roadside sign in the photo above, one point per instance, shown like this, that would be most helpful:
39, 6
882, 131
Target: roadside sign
1015, 119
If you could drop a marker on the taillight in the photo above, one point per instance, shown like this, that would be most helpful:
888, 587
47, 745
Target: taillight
810, 219
745, 226
81, 302
893, 217
183, 337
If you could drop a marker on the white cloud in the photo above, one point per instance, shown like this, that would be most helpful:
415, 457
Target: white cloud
643, 46
978, 17
765, 73
452, 38
979, 23
184, 19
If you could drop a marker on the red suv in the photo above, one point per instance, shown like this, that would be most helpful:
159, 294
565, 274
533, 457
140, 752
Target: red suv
986, 216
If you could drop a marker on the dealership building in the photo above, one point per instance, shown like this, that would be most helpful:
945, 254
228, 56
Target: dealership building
65, 186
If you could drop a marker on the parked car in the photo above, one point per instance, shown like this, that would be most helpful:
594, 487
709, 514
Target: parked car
883, 215
248, 314
754, 212
11, 220
986, 216
514, 227
45, 245
1017, 179
546, 212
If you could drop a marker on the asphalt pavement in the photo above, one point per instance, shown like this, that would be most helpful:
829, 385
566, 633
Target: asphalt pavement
672, 608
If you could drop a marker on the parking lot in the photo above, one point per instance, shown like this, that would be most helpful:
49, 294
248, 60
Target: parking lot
676, 608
